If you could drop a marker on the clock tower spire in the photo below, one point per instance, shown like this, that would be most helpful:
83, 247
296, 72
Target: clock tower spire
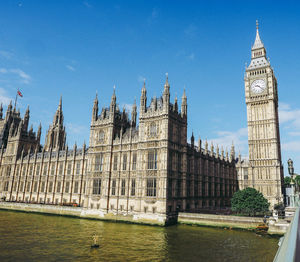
265, 172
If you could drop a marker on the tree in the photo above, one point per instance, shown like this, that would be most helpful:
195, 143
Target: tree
249, 201
297, 180
287, 181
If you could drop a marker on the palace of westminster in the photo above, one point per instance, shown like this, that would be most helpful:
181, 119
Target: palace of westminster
148, 170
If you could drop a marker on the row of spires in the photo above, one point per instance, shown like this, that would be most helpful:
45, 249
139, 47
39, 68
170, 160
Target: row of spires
212, 152
143, 103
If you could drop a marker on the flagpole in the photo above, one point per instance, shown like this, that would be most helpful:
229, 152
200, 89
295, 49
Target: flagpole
16, 100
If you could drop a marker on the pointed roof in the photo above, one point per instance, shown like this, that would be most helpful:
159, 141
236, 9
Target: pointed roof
60, 102
257, 43
167, 85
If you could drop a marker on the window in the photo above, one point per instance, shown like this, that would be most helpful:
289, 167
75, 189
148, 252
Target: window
50, 186
99, 162
24, 170
188, 188
69, 168
113, 187
196, 185
151, 187
37, 169
101, 136
6, 186
28, 187
58, 187
97, 186
52, 168
8, 171
76, 187
35, 187
123, 187
124, 162
178, 188
83, 191
17, 170
179, 162
60, 168
133, 186
77, 167
15, 186
115, 163
153, 129
21, 189
67, 187
134, 156
152, 159
30, 170
45, 170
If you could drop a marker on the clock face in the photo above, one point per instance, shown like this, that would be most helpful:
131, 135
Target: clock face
258, 86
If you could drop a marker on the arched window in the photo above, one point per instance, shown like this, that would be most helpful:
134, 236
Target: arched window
153, 129
101, 136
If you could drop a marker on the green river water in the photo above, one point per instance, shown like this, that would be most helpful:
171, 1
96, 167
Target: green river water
34, 237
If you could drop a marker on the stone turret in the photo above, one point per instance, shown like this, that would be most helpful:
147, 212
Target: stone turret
95, 109
143, 104
199, 144
133, 114
166, 94
232, 152
56, 135
26, 119
113, 102
192, 139
184, 104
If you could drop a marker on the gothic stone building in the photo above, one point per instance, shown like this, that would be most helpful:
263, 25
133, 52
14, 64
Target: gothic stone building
264, 169
147, 172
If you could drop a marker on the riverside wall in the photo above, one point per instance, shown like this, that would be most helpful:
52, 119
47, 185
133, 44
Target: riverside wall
276, 227
222, 221
144, 218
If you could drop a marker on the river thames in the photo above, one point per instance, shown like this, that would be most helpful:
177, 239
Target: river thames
34, 237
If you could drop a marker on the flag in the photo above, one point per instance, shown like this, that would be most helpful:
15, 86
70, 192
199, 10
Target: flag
20, 94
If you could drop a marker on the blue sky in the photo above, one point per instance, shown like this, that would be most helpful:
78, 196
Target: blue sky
75, 48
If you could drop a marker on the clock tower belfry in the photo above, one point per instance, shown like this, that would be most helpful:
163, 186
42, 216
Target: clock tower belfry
265, 172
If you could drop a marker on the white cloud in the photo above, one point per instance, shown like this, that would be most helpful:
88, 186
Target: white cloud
191, 56
191, 30
289, 116
128, 107
291, 146
154, 15
71, 68
24, 78
87, 4
77, 129
6, 54
141, 79
4, 98
225, 139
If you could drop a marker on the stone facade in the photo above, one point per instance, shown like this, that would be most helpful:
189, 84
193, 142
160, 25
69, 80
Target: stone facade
264, 169
146, 171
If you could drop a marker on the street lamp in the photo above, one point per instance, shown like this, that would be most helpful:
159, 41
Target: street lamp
290, 167
291, 172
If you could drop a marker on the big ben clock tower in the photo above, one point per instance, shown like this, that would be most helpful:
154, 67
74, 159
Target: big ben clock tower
265, 172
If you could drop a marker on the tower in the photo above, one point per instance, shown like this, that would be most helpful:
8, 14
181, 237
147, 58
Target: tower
265, 171
56, 135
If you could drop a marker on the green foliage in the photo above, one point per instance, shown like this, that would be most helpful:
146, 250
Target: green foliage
287, 180
297, 180
249, 201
